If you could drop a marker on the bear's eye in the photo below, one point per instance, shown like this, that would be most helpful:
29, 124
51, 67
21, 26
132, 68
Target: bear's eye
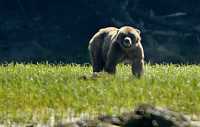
133, 38
122, 36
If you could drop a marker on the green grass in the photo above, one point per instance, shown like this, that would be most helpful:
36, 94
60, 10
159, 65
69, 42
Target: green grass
32, 93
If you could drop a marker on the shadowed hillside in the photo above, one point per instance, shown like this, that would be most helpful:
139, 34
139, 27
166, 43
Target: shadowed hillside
37, 30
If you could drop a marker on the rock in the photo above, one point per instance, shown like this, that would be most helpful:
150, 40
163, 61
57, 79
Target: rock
143, 116
110, 119
149, 116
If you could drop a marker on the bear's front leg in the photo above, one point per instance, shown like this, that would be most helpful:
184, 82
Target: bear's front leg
138, 67
110, 67
111, 64
113, 57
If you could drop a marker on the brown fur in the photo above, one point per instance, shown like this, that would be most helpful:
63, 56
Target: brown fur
108, 47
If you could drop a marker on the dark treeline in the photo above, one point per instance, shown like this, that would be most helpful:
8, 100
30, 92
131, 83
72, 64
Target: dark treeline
49, 30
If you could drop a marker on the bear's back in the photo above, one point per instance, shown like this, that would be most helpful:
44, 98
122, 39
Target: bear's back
108, 29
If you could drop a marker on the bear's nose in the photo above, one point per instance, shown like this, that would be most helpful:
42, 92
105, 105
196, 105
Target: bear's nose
127, 41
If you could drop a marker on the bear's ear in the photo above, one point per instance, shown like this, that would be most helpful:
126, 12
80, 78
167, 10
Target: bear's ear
138, 31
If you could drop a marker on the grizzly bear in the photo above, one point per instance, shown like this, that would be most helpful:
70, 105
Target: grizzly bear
110, 46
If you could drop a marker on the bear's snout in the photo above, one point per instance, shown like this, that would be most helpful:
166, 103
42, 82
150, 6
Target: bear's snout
127, 42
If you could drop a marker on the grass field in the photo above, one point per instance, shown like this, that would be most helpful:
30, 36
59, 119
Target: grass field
32, 93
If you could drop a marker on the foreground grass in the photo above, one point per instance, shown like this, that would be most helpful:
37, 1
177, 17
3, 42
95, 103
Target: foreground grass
32, 93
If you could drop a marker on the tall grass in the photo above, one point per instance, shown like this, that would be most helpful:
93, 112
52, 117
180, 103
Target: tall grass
32, 93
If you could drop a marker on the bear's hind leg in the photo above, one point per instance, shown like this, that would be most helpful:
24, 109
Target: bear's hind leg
97, 64
97, 61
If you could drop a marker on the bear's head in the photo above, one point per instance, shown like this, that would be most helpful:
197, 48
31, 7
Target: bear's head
128, 37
